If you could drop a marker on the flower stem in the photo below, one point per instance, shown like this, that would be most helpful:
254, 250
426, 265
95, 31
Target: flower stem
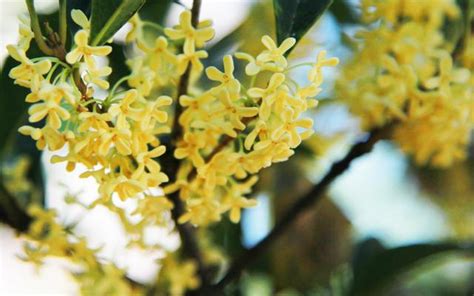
63, 21
36, 28
298, 65
154, 26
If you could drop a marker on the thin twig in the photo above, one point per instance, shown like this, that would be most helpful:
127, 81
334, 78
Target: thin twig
303, 203
63, 21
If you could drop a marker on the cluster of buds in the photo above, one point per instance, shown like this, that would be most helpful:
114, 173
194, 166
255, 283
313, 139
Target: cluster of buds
405, 72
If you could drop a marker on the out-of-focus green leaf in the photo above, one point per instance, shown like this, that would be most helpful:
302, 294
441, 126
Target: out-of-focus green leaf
344, 12
108, 16
12, 145
11, 213
227, 236
13, 114
373, 273
295, 17
117, 61
155, 10
12, 102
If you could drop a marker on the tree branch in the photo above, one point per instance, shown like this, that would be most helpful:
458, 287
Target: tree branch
187, 233
184, 81
303, 203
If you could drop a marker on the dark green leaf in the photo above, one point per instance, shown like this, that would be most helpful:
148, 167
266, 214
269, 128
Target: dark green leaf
11, 213
117, 61
155, 10
295, 17
108, 16
12, 145
344, 12
12, 102
373, 272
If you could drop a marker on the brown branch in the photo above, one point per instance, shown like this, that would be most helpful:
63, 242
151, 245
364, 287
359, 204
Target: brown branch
184, 81
187, 233
304, 203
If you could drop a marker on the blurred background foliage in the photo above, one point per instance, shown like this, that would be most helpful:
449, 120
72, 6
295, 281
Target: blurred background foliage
325, 252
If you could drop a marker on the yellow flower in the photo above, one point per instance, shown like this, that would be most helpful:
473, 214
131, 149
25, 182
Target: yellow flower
221, 165
235, 200
81, 19
315, 74
50, 109
15, 175
260, 130
83, 50
137, 29
404, 73
45, 137
180, 276
268, 95
290, 127
125, 188
447, 75
93, 121
234, 112
181, 182
145, 161
195, 37
159, 53
141, 77
274, 53
124, 110
28, 72
191, 56
202, 211
25, 33
153, 114
154, 209
95, 76
194, 107
255, 66
118, 137
226, 78
189, 148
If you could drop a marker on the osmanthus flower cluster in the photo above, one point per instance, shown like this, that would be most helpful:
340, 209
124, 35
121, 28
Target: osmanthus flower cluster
229, 132
404, 72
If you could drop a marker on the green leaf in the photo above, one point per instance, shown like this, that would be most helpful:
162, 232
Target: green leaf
13, 114
295, 17
12, 145
108, 16
11, 213
155, 10
117, 61
344, 12
372, 272
13, 105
